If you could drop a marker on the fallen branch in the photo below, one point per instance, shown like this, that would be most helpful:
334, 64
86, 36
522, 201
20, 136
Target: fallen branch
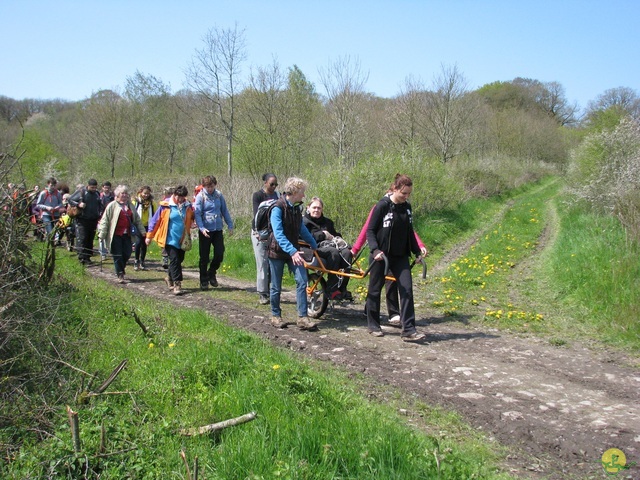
218, 426
83, 397
93, 394
112, 377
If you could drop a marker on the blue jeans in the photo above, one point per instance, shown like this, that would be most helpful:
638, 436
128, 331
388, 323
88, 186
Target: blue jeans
276, 267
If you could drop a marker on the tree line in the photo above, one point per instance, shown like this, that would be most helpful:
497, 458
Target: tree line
242, 124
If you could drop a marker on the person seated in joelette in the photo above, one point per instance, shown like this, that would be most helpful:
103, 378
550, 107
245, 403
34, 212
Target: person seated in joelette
334, 258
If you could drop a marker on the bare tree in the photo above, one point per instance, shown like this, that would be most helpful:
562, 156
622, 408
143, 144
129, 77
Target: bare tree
104, 124
449, 114
344, 83
172, 143
550, 98
146, 95
622, 98
262, 138
406, 114
213, 75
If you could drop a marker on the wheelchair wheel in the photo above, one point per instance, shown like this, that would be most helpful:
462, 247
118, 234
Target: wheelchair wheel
318, 300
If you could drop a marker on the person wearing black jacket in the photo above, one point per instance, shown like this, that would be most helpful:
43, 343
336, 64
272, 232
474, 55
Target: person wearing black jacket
390, 234
334, 258
88, 201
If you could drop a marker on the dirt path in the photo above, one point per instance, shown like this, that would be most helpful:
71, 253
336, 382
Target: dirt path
557, 409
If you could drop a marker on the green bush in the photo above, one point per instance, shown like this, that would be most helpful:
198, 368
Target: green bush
350, 194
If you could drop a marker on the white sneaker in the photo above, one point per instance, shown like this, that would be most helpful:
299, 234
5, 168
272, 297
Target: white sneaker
395, 321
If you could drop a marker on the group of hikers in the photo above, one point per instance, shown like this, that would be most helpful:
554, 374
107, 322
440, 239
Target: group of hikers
125, 226
388, 231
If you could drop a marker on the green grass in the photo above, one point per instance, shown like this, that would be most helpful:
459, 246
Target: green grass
478, 280
191, 370
583, 282
595, 271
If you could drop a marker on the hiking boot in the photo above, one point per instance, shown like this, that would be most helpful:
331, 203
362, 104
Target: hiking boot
305, 324
169, 282
121, 278
414, 337
347, 296
395, 321
377, 333
177, 288
142, 267
136, 265
213, 281
264, 299
277, 322
103, 258
165, 262
204, 286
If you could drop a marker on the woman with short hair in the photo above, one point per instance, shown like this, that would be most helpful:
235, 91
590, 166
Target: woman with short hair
323, 230
284, 249
115, 227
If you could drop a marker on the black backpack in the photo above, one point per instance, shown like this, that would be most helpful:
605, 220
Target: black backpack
261, 220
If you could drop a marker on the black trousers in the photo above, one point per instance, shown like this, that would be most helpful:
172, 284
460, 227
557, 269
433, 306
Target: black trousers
399, 267
215, 240
393, 303
85, 233
335, 259
141, 247
176, 257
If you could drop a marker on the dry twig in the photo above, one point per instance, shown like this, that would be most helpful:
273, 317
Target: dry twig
218, 426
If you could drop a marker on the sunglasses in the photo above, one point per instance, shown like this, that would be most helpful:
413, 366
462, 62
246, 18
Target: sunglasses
273, 184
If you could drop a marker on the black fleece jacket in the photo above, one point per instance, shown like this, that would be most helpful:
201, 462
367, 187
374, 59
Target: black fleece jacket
390, 229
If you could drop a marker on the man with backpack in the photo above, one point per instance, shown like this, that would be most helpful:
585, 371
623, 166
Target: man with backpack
88, 201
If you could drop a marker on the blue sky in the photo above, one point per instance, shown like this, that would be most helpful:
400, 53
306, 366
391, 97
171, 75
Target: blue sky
71, 49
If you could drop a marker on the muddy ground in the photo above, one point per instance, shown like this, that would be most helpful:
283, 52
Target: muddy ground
555, 409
